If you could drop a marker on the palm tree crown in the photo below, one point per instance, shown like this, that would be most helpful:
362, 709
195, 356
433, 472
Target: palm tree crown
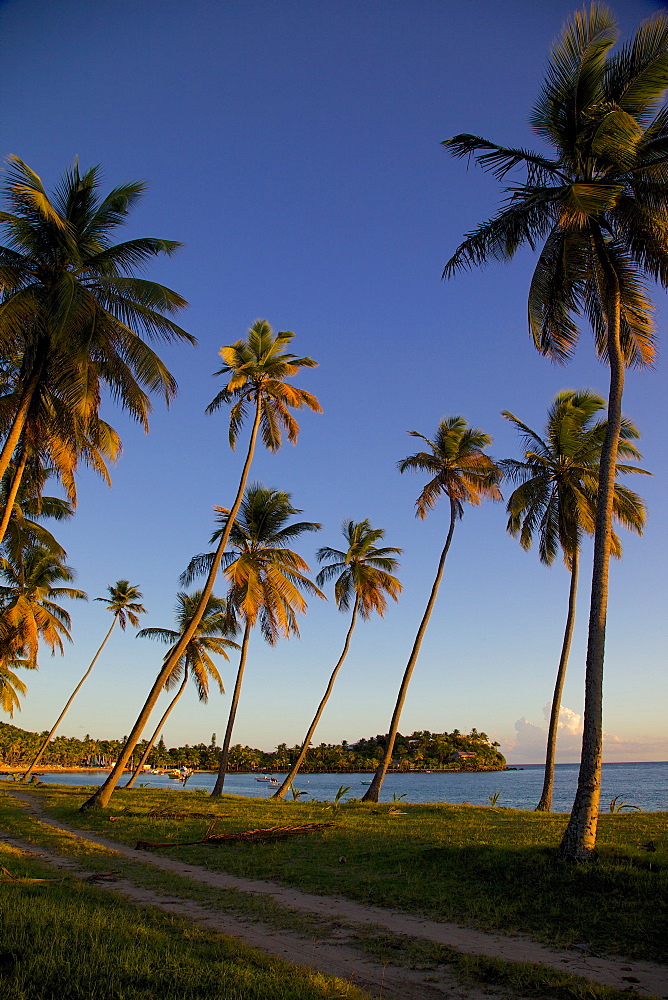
71, 304
28, 609
362, 570
124, 603
258, 368
265, 577
211, 637
458, 466
599, 206
556, 498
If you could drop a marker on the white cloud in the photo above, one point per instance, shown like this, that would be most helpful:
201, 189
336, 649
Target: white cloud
527, 745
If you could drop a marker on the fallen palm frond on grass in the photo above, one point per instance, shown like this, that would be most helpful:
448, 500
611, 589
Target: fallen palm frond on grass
245, 836
165, 814
6, 876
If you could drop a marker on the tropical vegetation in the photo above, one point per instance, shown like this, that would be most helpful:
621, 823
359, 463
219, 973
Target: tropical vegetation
265, 577
598, 209
210, 637
556, 500
364, 577
459, 469
258, 370
123, 603
419, 751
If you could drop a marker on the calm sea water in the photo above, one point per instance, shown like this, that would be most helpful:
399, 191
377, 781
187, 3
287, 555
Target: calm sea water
644, 785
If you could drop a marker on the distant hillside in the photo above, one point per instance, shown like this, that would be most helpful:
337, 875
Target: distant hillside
421, 751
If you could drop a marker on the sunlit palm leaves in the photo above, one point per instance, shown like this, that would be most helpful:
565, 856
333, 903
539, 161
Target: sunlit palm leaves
73, 312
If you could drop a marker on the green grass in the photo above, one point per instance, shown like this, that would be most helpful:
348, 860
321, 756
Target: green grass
64, 940
488, 867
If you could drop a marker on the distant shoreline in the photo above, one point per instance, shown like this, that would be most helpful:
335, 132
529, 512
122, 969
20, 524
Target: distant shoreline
59, 769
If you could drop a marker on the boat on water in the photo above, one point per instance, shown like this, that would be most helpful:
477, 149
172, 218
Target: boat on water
181, 773
267, 777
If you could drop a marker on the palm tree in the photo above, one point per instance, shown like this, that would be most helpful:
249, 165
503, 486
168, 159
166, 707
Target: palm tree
265, 579
257, 369
29, 613
556, 500
461, 471
123, 603
70, 302
11, 685
599, 207
29, 508
211, 637
363, 576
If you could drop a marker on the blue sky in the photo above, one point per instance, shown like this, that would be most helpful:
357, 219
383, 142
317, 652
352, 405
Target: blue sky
294, 148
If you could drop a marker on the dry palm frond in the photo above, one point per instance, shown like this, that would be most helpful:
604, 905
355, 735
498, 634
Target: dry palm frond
272, 833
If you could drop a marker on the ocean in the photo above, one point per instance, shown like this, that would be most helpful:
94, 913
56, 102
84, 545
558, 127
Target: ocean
639, 784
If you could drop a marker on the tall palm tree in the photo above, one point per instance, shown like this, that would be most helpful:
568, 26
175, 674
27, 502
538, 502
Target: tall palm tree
599, 207
211, 636
460, 470
123, 603
556, 500
265, 579
257, 371
363, 577
70, 306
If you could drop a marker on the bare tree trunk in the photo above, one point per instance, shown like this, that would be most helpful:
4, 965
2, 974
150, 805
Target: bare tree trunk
373, 791
294, 770
19, 421
153, 738
60, 718
545, 803
225, 751
13, 490
100, 799
579, 841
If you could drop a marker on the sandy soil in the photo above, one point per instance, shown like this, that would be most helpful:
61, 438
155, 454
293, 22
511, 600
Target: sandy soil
334, 956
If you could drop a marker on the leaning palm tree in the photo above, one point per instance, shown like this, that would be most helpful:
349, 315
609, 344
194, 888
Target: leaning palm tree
599, 207
556, 500
211, 636
123, 603
460, 470
257, 371
265, 578
363, 577
70, 305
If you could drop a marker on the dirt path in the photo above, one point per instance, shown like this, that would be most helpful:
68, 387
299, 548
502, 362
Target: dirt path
335, 956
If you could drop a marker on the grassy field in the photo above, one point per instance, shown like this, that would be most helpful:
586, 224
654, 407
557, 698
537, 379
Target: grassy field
64, 940
487, 867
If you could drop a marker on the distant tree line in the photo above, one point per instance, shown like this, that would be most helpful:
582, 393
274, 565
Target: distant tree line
421, 751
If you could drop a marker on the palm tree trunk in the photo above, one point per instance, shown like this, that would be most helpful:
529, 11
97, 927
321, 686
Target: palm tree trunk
373, 791
294, 770
100, 799
60, 718
153, 738
225, 751
19, 421
579, 841
545, 803
13, 490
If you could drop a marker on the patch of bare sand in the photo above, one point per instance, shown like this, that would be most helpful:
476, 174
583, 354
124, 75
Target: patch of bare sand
644, 978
